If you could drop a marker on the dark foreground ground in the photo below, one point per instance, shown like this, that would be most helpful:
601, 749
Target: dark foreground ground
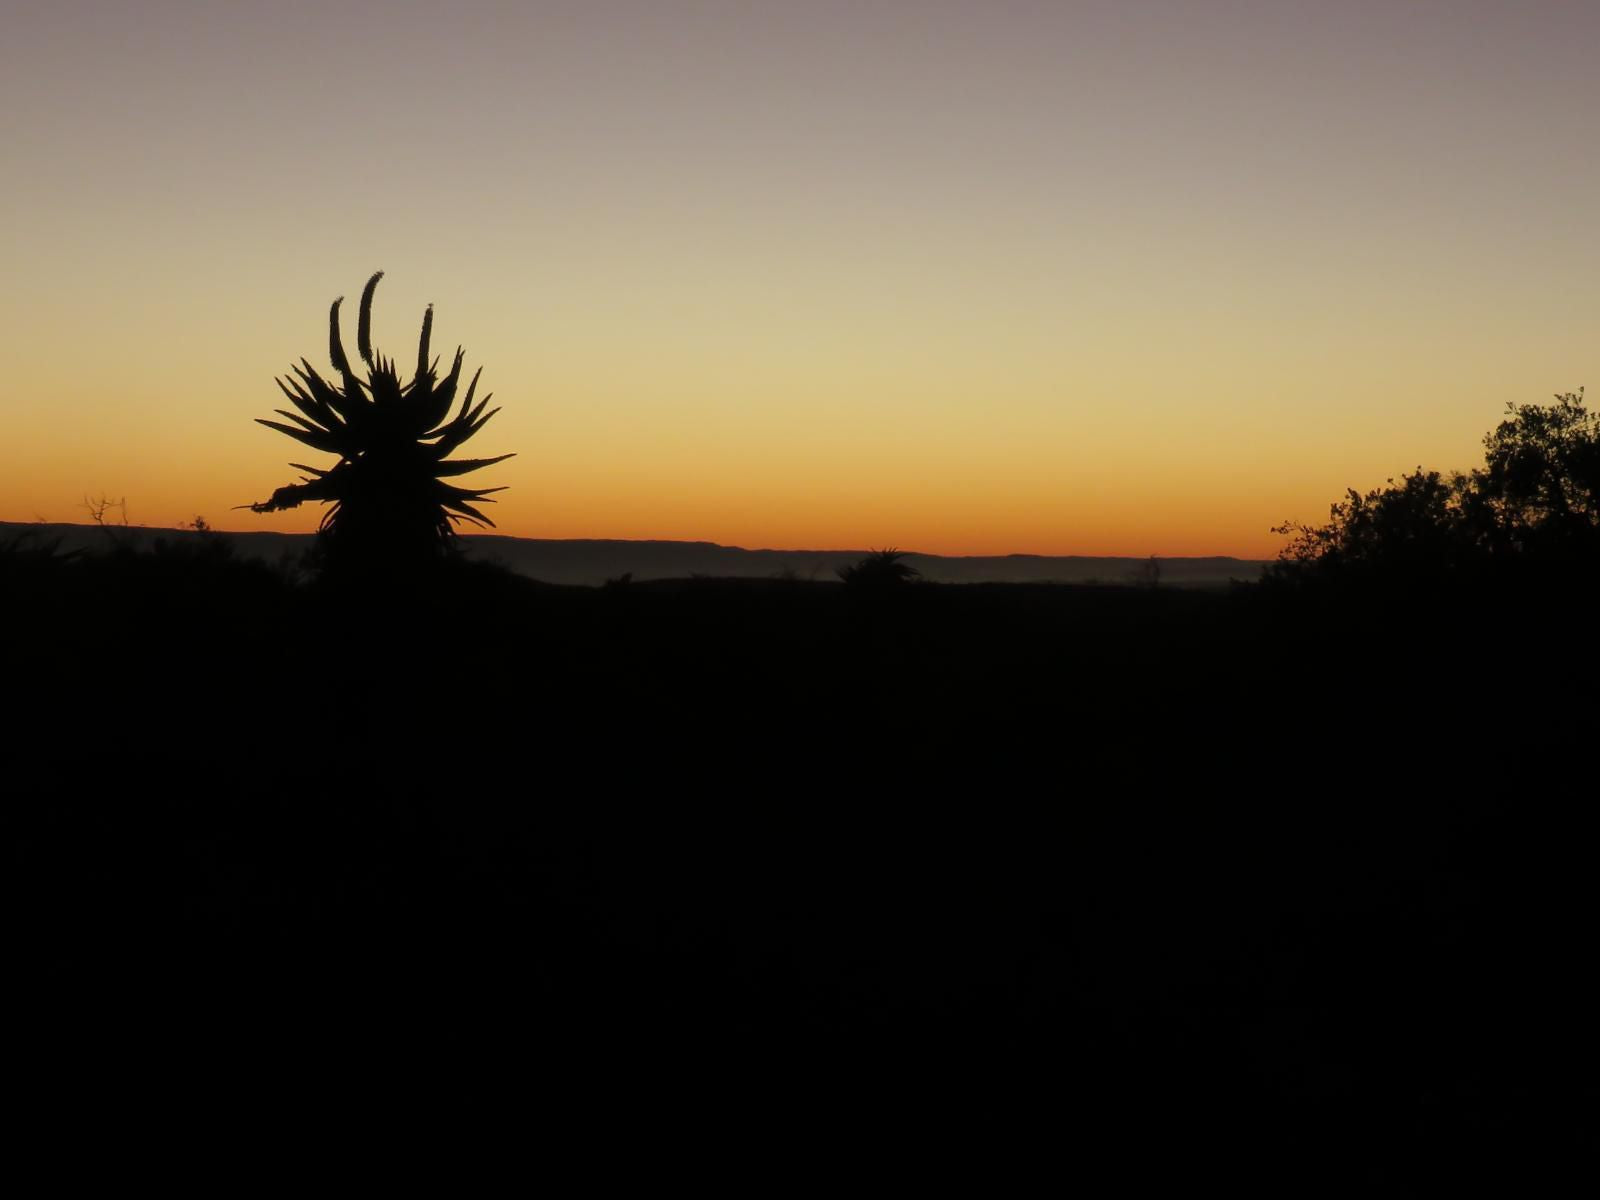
1288, 887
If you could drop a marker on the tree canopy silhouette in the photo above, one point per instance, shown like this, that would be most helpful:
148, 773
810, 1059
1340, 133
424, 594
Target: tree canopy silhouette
390, 505
1541, 479
1535, 499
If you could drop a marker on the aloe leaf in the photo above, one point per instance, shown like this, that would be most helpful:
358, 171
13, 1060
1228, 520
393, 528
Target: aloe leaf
466, 403
341, 364
461, 466
436, 407
301, 421
422, 343
385, 387
449, 489
329, 395
480, 423
364, 327
462, 428
317, 440
455, 433
461, 506
307, 404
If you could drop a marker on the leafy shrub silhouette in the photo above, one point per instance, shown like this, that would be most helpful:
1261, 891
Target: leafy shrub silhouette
1536, 499
1540, 485
1421, 519
880, 569
391, 507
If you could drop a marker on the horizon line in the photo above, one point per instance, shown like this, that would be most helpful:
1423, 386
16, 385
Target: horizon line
179, 529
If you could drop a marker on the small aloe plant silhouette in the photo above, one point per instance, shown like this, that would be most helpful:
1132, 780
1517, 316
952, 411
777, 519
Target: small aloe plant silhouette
390, 503
881, 568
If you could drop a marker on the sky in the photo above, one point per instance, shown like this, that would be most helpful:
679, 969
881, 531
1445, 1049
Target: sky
1135, 277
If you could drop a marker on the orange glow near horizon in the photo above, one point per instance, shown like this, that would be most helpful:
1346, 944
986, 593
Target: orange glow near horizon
1058, 280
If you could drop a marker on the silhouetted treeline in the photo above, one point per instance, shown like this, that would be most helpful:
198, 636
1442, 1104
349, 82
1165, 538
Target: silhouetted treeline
1529, 516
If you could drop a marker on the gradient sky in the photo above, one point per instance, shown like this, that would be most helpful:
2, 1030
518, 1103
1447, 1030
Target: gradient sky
1072, 277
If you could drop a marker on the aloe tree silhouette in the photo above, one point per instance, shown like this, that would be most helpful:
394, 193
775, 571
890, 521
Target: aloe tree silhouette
391, 507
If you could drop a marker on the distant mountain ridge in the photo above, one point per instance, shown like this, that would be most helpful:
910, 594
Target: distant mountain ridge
590, 562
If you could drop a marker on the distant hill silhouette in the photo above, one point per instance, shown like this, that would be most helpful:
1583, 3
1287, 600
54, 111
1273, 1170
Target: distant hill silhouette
590, 562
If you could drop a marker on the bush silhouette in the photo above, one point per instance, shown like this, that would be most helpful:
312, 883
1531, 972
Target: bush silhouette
881, 568
1540, 485
1536, 499
391, 507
